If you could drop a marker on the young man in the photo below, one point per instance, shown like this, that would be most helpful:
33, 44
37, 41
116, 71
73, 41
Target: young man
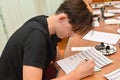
32, 48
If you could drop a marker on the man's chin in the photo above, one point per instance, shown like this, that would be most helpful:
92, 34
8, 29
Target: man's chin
64, 38
61, 37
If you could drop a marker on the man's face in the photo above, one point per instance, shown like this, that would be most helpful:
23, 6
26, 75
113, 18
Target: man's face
64, 28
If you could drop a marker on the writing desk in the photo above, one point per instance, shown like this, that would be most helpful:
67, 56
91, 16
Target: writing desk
77, 41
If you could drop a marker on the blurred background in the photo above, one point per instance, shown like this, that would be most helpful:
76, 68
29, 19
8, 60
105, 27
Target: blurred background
13, 13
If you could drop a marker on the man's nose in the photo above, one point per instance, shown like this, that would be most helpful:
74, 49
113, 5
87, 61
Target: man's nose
71, 34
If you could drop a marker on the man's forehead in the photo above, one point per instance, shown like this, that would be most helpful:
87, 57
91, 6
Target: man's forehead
88, 6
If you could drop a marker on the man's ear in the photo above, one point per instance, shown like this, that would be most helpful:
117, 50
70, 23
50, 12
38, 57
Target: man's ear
62, 17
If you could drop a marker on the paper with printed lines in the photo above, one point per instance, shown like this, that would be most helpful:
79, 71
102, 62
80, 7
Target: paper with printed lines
114, 75
70, 63
102, 37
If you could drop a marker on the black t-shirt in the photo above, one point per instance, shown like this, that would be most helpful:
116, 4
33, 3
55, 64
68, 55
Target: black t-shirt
29, 45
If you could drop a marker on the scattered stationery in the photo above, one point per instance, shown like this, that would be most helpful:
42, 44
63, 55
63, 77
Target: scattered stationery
115, 75
102, 37
70, 63
106, 49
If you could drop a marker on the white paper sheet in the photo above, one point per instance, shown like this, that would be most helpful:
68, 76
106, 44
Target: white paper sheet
114, 75
70, 63
96, 23
102, 37
112, 21
80, 48
96, 12
114, 11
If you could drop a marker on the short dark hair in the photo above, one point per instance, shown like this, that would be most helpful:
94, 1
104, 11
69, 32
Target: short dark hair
78, 14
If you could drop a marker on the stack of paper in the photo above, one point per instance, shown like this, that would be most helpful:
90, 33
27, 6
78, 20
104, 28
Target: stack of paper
70, 63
